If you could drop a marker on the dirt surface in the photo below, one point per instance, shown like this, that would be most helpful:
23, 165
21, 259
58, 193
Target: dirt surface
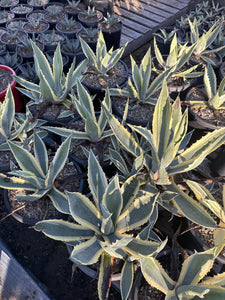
47, 260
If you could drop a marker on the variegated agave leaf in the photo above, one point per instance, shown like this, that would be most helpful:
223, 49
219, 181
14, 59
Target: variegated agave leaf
94, 128
167, 140
205, 198
178, 56
216, 96
10, 128
54, 86
141, 87
103, 225
36, 174
102, 61
189, 284
202, 43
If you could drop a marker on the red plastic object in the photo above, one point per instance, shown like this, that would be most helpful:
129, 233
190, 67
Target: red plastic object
16, 93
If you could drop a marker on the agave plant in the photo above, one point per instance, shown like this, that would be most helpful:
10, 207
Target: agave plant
11, 60
94, 128
103, 61
73, 4
89, 34
54, 86
36, 174
126, 168
72, 46
16, 127
166, 154
102, 227
214, 97
54, 9
69, 24
168, 140
10, 129
90, 12
165, 36
141, 87
202, 43
27, 71
178, 56
110, 20
206, 199
192, 283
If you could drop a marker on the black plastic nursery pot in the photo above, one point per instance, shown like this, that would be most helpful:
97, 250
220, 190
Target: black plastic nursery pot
21, 10
32, 30
196, 121
9, 17
217, 60
178, 86
50, 113
16, 24
51, 45
37, 6
27, 54
100, 91
11, 41
112, 36
54, 19
181, 90
37, 14
199, 123
220, 260
78, 55
105, 6
90, 21
131, 120
20, 218
164, 46
74, 11
7, 6
69, 33
29, 220
2, 49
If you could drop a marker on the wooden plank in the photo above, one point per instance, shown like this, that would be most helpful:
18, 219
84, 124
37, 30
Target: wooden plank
161, 6
146, 12
154, 10
138, 27
185, 1
130, 32
135, 17
147, 34
124, 39
173, 3
15, 282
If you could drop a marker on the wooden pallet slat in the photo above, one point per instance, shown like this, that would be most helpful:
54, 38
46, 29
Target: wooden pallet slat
138, 27
174, 3
141, 18
125, 39
151, 4
131, 33
135, 18
161, 6
141, 6
145, 12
